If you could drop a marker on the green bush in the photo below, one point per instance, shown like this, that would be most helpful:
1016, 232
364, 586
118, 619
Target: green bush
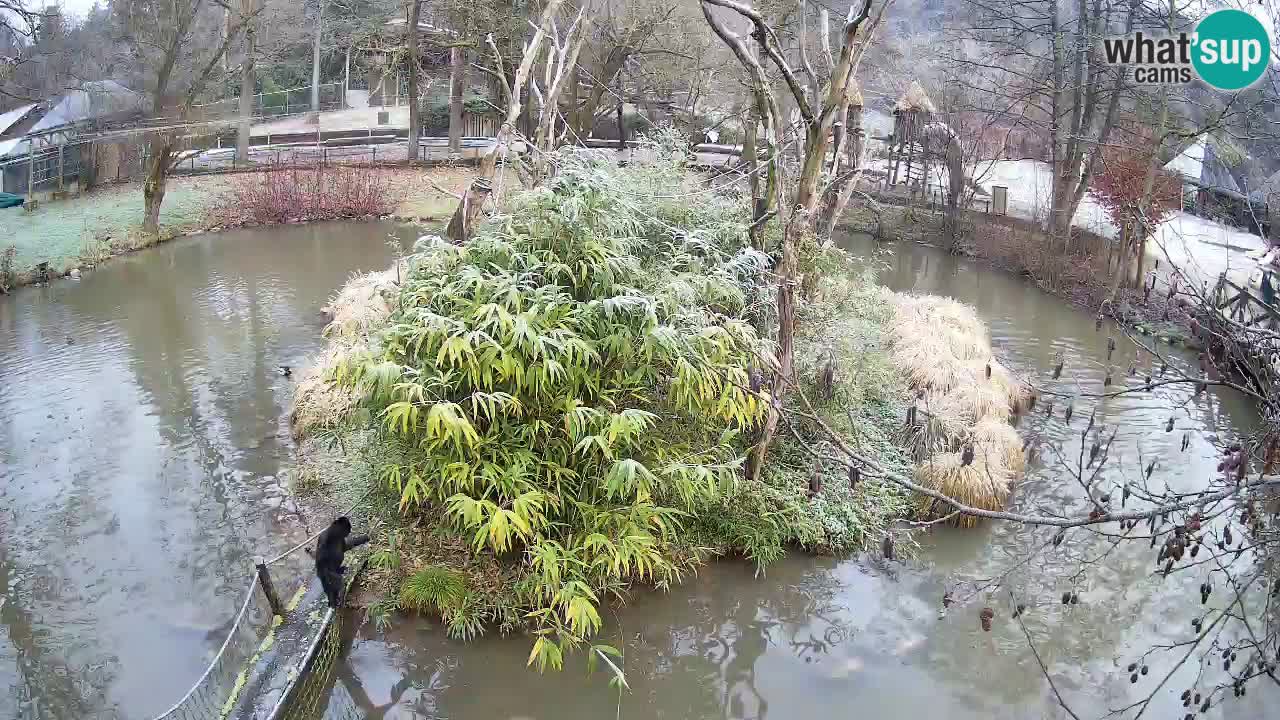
569, 394
571, 386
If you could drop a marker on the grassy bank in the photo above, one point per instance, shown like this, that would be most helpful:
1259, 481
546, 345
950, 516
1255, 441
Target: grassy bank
557, 414
84, 231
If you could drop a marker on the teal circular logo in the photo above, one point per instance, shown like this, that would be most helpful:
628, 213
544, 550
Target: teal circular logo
1232, 49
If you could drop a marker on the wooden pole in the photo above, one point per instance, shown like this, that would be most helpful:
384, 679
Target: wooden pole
460, 226
622, 133
268, 588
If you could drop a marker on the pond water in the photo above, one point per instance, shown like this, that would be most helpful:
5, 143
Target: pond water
142, 437
854, 637
140, 462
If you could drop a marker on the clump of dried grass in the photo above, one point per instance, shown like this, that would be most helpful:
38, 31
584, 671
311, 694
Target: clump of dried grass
966, 398
998, 441
981, 484
362, 306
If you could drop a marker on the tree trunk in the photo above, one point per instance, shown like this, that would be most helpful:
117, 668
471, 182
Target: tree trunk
798, 227
1153, 167
613, 65
574, 110
786, 300
622, 130
315, 58
153, 187
1122, 259
468, 211
414, 11
457, 68
247, 82
843, 186
752, 166
489, 163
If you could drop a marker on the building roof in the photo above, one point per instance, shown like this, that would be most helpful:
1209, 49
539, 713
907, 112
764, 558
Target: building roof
98, 99
1215, 175
1200, 164
14, 116
1189, 163
101, 98
1266, 189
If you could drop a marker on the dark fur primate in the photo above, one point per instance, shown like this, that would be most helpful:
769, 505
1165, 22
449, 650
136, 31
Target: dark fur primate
330, 548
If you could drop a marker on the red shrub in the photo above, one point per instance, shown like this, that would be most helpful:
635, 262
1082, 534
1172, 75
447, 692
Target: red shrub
312, 193
1119, 185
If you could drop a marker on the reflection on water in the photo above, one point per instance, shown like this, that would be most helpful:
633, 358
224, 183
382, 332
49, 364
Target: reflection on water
141, 441
820, 637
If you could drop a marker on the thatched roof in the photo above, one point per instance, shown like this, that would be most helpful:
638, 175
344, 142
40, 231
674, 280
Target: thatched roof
916, 99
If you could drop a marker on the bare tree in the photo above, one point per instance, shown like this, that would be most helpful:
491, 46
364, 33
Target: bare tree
413, 15
317, 35
818, 113
248, 78
473, 199
457, 77
1045, 56
561, 62
619, 36
177, 69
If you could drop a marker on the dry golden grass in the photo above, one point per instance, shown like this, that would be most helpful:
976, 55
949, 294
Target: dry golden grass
979, 484
997, 441
965, 405
967, 398
1014, 388
318, 403
362, 306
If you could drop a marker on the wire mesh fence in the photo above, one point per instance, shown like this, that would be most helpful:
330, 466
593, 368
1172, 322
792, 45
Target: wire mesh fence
212, 694
318, 694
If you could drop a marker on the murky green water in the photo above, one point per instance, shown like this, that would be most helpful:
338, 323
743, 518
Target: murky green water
142, 436
143, 440
827, 637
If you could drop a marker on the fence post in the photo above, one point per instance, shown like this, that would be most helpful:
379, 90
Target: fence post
31, 172
268, 589
61, 147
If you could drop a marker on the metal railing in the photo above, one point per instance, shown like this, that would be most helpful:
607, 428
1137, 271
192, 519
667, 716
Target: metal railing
277, 103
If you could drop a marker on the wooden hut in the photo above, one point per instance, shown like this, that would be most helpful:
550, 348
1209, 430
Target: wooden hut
913, 111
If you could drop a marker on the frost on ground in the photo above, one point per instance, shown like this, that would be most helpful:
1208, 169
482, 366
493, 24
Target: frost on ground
65, 232
1202, 249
